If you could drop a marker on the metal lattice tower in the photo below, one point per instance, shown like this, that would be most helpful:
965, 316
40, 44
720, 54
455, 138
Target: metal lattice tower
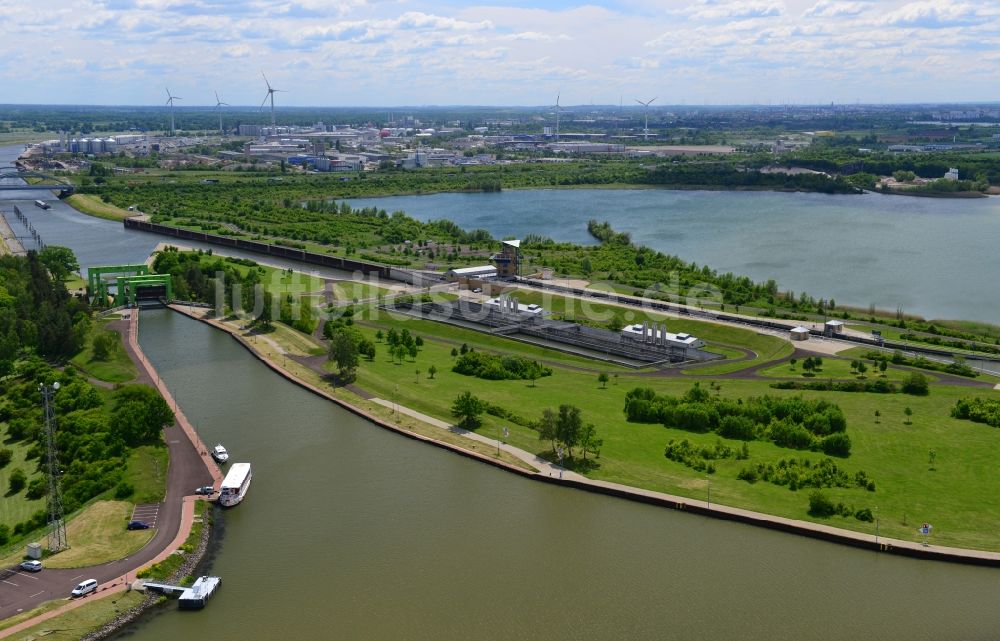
57, 524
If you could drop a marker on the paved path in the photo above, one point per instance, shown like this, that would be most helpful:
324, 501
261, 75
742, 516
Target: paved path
544, 466
816, 530
190, 467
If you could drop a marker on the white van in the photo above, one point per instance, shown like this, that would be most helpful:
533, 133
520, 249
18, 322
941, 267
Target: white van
86, 587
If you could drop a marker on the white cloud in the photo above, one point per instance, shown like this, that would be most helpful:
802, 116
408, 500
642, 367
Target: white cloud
388, 51
739, 9
836, 9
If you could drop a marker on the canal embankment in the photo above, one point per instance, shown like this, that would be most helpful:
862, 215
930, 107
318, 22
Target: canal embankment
549, 473
183, 517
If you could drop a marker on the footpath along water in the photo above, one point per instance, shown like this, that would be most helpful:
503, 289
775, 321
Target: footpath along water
351, 532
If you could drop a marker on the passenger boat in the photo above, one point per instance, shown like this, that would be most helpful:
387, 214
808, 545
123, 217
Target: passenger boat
220, 454
235, 485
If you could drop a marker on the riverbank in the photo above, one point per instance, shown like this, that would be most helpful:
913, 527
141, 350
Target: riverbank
814, 530
181, 476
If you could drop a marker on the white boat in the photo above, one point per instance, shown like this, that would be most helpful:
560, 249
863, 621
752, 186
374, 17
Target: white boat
235, 485
220, 454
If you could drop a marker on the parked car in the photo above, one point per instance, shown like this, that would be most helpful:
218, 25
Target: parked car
205, 489
138, 525
85, 588
31, 566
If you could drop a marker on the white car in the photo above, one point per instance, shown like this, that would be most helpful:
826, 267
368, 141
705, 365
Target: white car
32, 566
85, 588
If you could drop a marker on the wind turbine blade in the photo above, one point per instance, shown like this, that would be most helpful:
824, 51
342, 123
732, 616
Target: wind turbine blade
640, 102
265, 81
650, 102
217, 97
263, 102
168, 93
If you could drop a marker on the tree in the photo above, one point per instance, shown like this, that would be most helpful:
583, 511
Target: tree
344, 352
60, 261
589, 441
139, 414
412, 350
104, 345
568, 426
454, 352
547, 427
418, 341
792, 362
882, 366
603, 379
862, 368
431, 371
468, 408
378, 336
878, 415
909, 413
916, 384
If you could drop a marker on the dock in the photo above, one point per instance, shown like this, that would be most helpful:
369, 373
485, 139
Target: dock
191, 598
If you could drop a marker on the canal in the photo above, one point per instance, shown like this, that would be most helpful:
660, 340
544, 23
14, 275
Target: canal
353, 532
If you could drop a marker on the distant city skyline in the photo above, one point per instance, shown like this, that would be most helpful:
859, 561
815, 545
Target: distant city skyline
382, 53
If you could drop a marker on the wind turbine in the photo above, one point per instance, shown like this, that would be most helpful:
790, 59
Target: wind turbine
270, 94
218, 107
170, 101
645, 130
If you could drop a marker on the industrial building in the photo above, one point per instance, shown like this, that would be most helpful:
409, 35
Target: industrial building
654, 334
480, 272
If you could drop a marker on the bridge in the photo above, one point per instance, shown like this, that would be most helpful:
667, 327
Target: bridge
48, 183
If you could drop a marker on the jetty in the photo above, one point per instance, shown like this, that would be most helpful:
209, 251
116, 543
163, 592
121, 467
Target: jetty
191, 598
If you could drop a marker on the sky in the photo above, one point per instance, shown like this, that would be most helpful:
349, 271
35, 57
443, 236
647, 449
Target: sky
499, 52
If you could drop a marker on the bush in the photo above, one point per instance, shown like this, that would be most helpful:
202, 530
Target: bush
5, 456
37, 488
916, 384
820, 505
838, 444
18, 479
496, 368
124, 490
864, 515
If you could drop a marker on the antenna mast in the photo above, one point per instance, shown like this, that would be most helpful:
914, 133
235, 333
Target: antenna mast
57, 524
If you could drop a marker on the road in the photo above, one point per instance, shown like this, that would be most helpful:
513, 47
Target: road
23, 591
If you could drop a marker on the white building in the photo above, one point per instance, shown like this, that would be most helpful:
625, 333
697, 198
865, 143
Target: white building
799, 333
658, 335
510, 305
480, 272
951, 174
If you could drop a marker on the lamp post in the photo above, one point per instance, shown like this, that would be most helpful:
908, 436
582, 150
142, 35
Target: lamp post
876, 526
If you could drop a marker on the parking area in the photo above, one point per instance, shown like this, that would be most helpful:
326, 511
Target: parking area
146, 512
19, 579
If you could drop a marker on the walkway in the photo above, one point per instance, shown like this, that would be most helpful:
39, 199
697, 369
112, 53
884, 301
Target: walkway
550, 472
190, 467
544, 466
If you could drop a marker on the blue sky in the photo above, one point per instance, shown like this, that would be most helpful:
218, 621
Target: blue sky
500, 52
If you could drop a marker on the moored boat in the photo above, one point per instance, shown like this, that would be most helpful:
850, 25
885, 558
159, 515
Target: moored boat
220, 454
235, 485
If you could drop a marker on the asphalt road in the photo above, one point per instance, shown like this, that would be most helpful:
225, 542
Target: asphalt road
23, 591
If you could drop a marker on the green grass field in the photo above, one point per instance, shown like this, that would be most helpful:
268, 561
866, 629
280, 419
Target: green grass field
146, 471
118, 368
959, 496
94, 206
15, 508
838, 369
